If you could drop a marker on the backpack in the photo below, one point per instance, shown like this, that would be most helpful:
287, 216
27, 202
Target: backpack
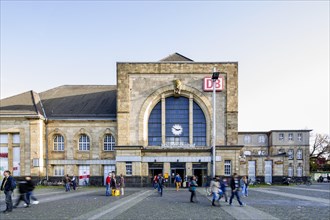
13, 184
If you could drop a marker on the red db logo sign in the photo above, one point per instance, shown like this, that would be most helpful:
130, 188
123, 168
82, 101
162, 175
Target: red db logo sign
208, 84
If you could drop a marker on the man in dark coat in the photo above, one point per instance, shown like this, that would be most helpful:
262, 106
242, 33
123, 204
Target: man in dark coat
8, 186
23, 189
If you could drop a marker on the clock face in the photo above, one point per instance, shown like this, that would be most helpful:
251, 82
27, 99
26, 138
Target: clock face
177, 129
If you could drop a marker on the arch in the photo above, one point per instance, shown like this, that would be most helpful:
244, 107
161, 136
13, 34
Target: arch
51, 137
76, 138
165, 92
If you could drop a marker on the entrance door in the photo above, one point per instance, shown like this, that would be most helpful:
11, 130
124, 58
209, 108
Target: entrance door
83, 175
268, 171
252, 170
200, 171
108, 169
154, 170
177, 168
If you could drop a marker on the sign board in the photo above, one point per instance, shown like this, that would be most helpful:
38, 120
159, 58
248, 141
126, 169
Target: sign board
208, 84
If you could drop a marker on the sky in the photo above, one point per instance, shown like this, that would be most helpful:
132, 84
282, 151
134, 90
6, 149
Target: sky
282, 49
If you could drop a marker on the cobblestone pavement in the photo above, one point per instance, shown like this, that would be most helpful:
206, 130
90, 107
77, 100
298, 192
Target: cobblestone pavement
274, 202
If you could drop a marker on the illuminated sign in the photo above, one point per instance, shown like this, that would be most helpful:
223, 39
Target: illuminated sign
208, 84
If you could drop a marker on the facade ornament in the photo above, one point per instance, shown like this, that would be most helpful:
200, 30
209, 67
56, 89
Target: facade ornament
177, 87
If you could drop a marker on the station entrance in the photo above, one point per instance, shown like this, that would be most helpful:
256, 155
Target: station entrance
154, 170
200, 171
177, 168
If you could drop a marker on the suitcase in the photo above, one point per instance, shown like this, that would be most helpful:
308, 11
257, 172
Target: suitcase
113, 192
117, 192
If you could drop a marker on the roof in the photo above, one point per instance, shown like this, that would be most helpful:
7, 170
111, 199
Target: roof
176, 57
70, 101
64, 102
26, 104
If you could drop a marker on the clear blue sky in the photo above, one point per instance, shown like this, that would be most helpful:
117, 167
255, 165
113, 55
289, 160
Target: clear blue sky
282, 49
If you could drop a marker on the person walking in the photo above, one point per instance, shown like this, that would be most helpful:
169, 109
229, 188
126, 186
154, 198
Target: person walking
122, 184
215, 186
178, 181
67, 182
113, 183
155, 182
30, 187
235, 186
223, 185
23, 190
192, 189
74, 182
160, 182
8, 185
107, 185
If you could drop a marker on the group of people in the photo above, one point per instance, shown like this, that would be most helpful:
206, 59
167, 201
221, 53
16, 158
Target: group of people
111, 182
68, 182
25, 189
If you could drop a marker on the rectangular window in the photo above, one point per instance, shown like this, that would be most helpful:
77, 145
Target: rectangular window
290, 171
261, 139
129, 169
281, 137
290, 154
299, 137
16, 139
247, 139
290, 137
299, 171
58, 170
3, 138
227, 167
299, 154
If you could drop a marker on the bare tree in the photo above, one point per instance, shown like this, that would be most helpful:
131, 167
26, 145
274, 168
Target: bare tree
321, 146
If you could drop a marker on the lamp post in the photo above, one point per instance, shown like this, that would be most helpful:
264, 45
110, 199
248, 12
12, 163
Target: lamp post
215, 76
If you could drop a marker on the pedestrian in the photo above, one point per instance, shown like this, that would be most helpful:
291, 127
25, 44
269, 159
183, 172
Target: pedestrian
247, 183
223, 185
8, 185
113, 183
235, 186
155, 182
30, 188
215, 186
122, 184
192, 189
160, 183
67, 182
242, 185
107, 185
23, 189
178, 181
74, 182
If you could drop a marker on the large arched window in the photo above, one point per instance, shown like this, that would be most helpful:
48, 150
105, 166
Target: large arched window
58, 143
177, 123
84, 142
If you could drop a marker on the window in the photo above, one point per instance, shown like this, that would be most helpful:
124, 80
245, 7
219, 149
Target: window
299, 137
84, 142
261, 139
299, 171
290, 154
109, 142
247, 139
3, 138
290, 171
299, 154
58, 170
199, 129
16, 139
155, 126
290, 137
59, 143
227, 167
281, 136
129, 170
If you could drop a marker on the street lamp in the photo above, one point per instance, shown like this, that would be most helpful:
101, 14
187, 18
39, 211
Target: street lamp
215, 76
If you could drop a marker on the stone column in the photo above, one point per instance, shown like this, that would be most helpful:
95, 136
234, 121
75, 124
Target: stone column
189, 169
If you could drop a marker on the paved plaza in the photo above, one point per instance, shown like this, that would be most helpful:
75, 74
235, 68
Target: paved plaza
274, 202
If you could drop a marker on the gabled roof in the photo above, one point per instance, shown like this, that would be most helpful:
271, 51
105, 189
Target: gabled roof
176, 57
80, 101
27, 104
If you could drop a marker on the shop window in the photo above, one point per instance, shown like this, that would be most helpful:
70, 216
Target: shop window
129, 169
84, 143
290, 154
281, 137
109, 142
58, 143
58, 170
290, 137
299, 154
227, 167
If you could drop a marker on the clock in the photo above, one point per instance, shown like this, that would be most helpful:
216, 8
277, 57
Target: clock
177, 129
